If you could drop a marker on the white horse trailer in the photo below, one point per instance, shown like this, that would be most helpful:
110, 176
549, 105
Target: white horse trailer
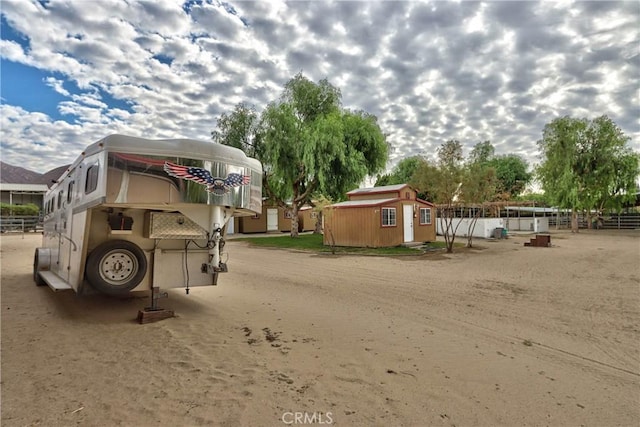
133, 214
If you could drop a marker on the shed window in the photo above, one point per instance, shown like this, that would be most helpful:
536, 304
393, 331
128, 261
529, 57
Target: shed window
388, 217
425, 216
92, 179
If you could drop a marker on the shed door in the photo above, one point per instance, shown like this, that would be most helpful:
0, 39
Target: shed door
407, 220
230, 226
272, 219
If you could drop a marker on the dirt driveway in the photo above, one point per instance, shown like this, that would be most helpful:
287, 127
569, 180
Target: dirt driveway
503, 335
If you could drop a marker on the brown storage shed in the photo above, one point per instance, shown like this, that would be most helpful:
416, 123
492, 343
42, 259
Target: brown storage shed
380, 217
307, 219
272, 219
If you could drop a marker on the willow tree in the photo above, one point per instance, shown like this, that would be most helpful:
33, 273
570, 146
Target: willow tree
311, 146
587, 165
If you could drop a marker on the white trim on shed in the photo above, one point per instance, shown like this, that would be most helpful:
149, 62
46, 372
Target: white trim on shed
363, 203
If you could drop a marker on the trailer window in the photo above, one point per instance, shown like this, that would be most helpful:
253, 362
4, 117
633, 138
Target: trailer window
388, 217
425, 216
92, 179
70, 192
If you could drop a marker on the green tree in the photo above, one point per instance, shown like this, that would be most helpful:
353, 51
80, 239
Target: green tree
511, 170
540, 199
587, 165
310, 146
239, 129
479, 186
482, 152
443, 179
458, 185
511, 173
363, 152
401, 173
608, 165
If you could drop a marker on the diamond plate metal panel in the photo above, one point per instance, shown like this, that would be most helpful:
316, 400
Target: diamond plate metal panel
163, 225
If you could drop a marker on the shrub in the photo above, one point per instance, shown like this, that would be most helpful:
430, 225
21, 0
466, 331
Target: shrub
19, 210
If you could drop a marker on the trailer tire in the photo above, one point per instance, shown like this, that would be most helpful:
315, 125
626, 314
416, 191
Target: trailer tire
115, 267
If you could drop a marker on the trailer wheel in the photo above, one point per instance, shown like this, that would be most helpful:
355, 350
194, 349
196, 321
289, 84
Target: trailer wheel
116, 267
36, 269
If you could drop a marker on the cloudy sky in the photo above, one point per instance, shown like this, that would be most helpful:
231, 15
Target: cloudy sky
77, 70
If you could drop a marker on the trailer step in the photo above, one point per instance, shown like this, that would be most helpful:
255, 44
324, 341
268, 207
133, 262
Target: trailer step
54, 282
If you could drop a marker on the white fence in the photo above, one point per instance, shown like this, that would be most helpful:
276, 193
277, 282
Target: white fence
535, 225
485, 227
19, 224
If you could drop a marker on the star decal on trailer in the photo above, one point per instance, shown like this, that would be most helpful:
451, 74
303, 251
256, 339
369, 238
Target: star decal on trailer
215, 185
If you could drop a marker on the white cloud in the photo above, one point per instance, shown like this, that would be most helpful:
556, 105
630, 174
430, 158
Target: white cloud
429, 71
56, 85
13, 51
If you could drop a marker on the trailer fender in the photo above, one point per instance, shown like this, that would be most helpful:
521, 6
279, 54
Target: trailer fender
41, 262
116, 267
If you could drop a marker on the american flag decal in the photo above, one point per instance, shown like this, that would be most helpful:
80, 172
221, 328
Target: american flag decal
215, 185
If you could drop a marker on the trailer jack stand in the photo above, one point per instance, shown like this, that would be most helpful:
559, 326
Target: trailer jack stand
154, 313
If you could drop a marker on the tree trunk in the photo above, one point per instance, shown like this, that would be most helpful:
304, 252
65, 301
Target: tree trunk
574, 221
294, 220
472, 228
332, 241
450, 236
318, 229
447, 229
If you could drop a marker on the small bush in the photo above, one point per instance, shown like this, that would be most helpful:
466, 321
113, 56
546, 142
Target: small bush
19, 210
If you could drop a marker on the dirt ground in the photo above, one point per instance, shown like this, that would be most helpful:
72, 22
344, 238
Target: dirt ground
500, 335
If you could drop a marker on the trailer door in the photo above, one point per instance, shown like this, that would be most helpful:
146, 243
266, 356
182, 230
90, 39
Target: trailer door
64, 231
